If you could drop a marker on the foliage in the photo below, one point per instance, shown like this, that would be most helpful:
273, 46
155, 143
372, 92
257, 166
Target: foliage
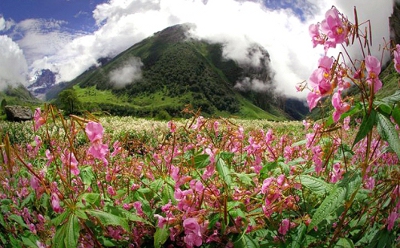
213, 182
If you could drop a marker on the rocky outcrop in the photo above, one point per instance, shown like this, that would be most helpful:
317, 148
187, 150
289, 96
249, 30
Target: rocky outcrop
18, 113
394, 23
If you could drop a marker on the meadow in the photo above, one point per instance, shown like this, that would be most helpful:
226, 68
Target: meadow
86, 181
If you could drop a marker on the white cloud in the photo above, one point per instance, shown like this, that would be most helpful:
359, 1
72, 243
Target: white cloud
122, 23
14, 68
130, 72
2, 23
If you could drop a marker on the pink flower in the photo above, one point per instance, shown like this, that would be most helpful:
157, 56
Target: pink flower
39, 120
284, 226
312, 99
94, 131
99, 151
55, 203
373, 66
340, 106
111, 191
69, 160
320, 81
391, 220
396, 59
315, 35
334, 28
172, 126
193, 236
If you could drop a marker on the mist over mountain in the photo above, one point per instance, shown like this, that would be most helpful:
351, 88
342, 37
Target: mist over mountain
171, 69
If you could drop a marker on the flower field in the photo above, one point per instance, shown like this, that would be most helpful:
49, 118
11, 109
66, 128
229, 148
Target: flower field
127, 182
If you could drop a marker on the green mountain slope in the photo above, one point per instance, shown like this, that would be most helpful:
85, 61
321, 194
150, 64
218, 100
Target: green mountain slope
176, 71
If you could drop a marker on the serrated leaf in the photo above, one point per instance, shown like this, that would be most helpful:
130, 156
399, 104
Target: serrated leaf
67, 235
385, 108
18, 219
328, 206
92, 198
61, 218
245, 178
388, 132
72, 232
108, 219
223, 171
366, 125
396, 115
392, 99
160, 236
344, 243
315, 185
87, 176
201, 161
29, 240
300, 235
246, 242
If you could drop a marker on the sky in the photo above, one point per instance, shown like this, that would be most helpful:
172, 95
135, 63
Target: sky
69, 36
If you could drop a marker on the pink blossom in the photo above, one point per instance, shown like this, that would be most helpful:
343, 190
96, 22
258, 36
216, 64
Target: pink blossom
94, 131
38, 119
69, 161
267, 182
172, 126
111, 191
339, 105
117, 148
334, 28
193, 236
315, 35
284, 226
346, 122
369, 183
197, 185
138, 206
396, 59
55, 203
391, 220
373, 66
99, 151
49, 157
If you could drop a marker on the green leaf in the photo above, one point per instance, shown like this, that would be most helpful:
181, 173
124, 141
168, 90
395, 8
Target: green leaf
396, 115
156, 185
167, 194
108, 219
315, 185
160, 236
366, 126
246, 241
87, 176
67, 235
245, 178
91, 198
72, 233
18, 219
328, 206
385, 108
29, 239
344, 243
223, 171
392, 99
201, 161
61, 218
300, 235
388, 132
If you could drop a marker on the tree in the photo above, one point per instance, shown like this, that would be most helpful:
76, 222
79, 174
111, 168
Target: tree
69, 101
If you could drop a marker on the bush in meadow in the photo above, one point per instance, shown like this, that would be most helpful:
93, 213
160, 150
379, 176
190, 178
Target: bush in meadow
209, 182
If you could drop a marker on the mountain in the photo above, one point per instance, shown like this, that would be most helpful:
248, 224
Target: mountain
44, 80
169, 70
